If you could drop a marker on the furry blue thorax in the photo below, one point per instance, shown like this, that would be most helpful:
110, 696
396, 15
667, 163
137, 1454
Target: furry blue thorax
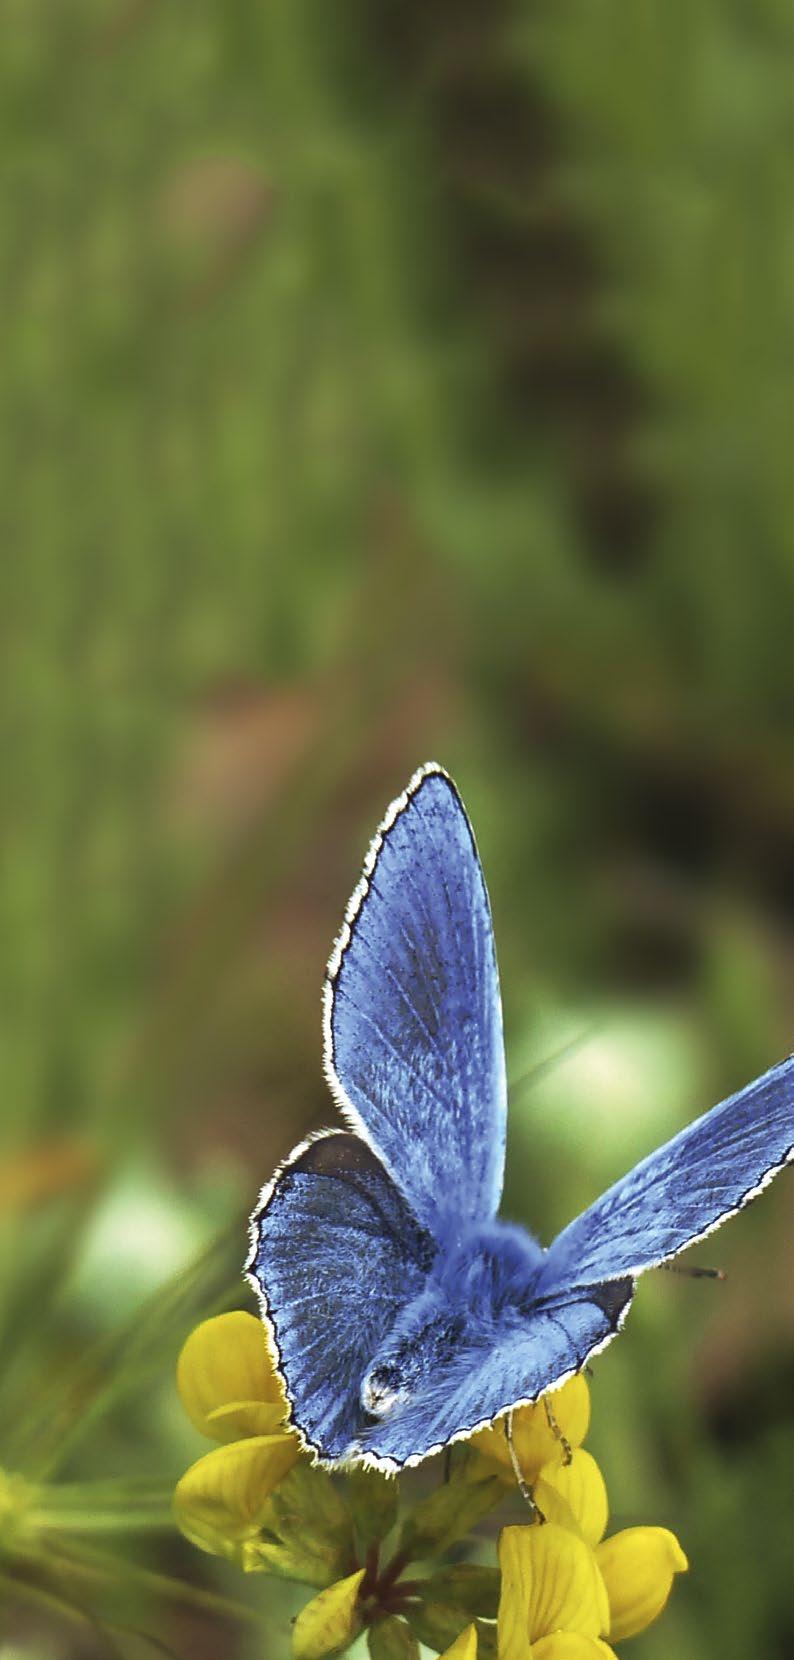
489, 1267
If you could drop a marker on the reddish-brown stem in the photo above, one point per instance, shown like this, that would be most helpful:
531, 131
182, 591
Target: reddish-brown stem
369, 1584
395, 1599
392, 1571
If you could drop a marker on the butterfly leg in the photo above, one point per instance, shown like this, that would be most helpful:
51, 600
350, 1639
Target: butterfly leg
567, 1449
523, 1486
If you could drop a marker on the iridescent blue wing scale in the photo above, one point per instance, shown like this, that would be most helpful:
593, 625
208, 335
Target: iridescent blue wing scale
412, 1012
683, 1191
335, 1255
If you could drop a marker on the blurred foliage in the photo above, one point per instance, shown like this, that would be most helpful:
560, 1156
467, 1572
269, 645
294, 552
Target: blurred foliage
382, 382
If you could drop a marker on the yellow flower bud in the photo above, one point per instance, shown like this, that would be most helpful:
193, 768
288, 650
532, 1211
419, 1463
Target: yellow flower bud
464, 1646
330, 1621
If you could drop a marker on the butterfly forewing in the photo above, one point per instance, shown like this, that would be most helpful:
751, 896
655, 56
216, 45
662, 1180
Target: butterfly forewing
413, 1021
684, 1190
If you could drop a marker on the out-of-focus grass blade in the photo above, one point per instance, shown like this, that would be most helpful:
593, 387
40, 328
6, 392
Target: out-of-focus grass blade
62, 1413
106, 1568
541, 1069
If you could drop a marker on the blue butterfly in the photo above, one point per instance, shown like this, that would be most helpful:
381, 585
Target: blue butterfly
404, 1314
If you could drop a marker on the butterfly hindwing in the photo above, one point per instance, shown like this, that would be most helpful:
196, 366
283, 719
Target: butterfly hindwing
684, 1190
335, 1255
495, 1369
413, 1022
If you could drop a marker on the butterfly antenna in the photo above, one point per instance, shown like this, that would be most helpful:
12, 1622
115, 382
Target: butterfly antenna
694, 1273
523, 1486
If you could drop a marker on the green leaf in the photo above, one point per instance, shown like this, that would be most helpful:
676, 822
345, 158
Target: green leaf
307, 1529
316, 1565
330, 1622
435, 1624
391, 1639
464, 1647
448, 1514
438, 1625
466, 1586
486, 1640
374, 1501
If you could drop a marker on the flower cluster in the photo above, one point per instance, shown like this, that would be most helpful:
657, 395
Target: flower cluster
563, 1589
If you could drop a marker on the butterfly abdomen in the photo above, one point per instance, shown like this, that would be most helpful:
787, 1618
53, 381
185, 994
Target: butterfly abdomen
426, 1337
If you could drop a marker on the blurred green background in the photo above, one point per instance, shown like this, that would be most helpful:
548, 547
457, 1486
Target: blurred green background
382, 382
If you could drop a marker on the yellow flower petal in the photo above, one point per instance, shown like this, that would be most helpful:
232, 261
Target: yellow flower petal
226, 1379
330, 1621
220, 1500
535, 1442
571, 1645
568, 1592
638, 1566
515, 1562
268, 1416
581, 1487
464, 1646
550, 1583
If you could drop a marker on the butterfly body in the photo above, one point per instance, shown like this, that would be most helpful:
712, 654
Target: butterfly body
481, 1284
403, 1311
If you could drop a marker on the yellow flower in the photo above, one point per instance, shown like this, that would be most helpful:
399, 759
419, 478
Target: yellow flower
637, 1565
566, 1591
535, 1441
553, 1603
231, 1392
